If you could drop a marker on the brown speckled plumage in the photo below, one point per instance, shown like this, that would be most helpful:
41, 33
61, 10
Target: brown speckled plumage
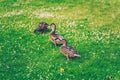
41, 27
68, 51
55, 38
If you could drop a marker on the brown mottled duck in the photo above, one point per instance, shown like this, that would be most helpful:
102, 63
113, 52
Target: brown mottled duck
55, 38
41, 27
68, 51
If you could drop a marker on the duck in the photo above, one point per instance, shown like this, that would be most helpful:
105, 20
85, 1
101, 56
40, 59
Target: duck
68, 51
42, 26
55, 38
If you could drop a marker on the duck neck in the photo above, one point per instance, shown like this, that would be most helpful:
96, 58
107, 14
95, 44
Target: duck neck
53, 31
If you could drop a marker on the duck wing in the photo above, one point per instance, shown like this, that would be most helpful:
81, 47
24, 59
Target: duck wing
71, 49
57, 37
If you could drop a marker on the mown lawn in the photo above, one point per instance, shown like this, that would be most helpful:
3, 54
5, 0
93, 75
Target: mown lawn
92, 27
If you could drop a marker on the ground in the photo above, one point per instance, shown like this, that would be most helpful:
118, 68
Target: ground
92, 27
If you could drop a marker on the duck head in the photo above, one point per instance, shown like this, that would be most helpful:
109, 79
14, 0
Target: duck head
53, 26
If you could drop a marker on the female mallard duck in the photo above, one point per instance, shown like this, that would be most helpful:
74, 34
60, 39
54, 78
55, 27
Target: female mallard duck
41, 27
68, 51
55, 38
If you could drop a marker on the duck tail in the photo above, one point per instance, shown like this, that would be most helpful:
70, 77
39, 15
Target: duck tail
35, 31
77, 55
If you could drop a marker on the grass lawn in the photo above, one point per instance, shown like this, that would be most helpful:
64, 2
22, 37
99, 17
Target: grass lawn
92, 27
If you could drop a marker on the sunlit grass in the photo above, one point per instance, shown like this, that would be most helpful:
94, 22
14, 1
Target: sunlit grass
91, 27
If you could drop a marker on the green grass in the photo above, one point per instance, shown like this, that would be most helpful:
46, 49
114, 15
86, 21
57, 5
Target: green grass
92, 27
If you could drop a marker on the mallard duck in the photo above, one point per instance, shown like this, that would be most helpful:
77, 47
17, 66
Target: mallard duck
55, 38
41, 27
68, 51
